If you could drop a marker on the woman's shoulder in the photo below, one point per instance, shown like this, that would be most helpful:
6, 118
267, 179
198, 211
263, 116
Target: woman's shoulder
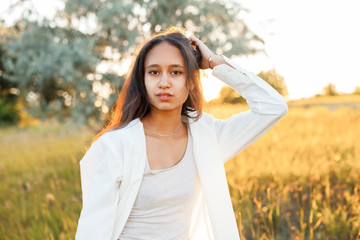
204, 119
206, 116
120, 134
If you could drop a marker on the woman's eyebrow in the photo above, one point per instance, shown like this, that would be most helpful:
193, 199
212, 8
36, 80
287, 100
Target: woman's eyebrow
171, 66
177, 65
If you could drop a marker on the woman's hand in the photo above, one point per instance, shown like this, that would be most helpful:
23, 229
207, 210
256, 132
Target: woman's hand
205, 51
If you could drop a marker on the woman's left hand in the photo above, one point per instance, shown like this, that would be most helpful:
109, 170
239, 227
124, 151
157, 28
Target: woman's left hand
205, 51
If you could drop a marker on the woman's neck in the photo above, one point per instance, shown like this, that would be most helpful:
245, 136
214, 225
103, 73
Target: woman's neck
162, 122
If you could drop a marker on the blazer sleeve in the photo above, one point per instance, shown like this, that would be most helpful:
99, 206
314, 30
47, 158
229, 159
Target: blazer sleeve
100, 183
267, 106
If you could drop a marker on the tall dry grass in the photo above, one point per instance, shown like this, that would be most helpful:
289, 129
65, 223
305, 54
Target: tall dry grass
301, 180
40, 195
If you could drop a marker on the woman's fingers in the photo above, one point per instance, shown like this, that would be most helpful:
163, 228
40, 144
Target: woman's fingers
205, 51
194, 41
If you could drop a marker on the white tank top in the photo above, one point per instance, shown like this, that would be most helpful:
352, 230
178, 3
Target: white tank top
163, 206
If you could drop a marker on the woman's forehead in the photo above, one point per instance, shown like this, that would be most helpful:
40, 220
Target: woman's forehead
164, 54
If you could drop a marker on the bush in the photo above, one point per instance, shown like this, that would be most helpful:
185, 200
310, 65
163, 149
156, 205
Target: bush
8, 113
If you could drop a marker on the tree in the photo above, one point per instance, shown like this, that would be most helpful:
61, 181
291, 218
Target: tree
330, 90
229, 95
123, 24
275, 80
52, 74
54, 62
356, 91
8, 89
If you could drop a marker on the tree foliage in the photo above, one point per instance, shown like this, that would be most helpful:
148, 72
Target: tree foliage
275, 80
356, 91
52, 73
8, 89
55, 63
229, 95
123, 24
330, 90
8, 96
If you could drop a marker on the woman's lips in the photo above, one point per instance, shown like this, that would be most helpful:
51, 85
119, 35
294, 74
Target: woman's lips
164, 96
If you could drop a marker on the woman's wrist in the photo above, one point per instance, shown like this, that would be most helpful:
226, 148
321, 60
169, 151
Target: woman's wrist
215, 60
210, 60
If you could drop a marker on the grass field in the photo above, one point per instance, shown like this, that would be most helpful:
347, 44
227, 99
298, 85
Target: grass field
327, 99
301, 180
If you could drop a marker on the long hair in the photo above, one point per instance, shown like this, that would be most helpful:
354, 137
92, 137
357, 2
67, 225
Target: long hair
133, 101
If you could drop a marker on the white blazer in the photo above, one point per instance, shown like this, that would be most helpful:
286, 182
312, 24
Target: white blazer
113, 167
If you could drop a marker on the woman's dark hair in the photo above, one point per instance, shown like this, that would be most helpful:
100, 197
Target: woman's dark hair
133, 100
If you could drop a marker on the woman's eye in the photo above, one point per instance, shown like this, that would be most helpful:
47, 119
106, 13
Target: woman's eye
176, 72
153, 72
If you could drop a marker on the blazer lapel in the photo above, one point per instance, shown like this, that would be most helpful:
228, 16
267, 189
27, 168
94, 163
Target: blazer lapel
213, 181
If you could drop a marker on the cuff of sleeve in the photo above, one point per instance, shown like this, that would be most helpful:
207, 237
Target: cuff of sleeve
235, 65
232, 77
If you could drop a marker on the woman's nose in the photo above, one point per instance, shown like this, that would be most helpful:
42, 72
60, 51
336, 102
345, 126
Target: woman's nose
164, 81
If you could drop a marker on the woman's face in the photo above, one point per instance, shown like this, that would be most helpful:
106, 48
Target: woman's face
165, 78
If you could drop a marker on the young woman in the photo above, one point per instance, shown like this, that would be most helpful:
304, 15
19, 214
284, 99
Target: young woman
157, 170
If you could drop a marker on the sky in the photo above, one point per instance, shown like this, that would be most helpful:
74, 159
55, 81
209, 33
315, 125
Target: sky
311, 43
